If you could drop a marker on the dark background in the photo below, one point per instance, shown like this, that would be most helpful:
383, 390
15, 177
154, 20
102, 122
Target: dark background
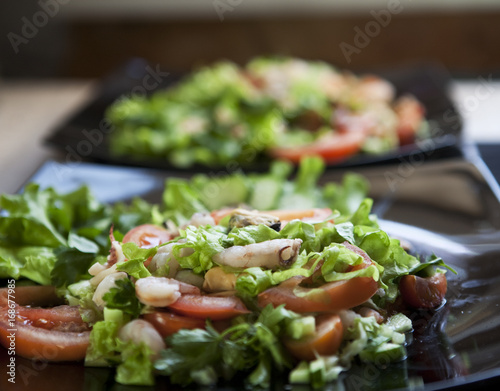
464, 40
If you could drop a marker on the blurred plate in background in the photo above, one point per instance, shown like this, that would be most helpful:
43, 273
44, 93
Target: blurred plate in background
86, 136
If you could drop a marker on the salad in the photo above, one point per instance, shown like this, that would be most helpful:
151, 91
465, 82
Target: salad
234, 278
283, 108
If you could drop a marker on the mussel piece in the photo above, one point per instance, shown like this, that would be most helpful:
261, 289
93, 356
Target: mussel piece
242, 218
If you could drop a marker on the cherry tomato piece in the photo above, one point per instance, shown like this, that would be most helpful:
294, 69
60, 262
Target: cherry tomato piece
333, 148
147, 235
167, 323
324, 342
332, 296
421, 292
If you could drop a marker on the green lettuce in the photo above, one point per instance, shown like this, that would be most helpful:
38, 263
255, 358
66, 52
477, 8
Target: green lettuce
52, 238
203, 356
251, 234
122, 297
133, 361
34, 263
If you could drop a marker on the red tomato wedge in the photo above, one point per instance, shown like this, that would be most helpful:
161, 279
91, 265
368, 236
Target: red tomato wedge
333, 148
52, 334
167, 323
421, 292
213, 307
324, 342
147, 235
332, 296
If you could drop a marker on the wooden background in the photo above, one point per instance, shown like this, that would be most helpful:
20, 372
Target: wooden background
466, 42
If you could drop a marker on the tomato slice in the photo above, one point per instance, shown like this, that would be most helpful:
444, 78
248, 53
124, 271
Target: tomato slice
421, 292
324, 342
213, 307
167, 323
333, 148
332, 296
147, 235
52, 334
35, 295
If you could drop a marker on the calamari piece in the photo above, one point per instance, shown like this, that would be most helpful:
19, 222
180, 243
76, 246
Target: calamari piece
165, 255
140, 331
162, 291
270, 254
104, 286
243, 218
115, 256
101, 275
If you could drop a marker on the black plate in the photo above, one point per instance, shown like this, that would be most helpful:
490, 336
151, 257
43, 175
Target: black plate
85, 136
449, 207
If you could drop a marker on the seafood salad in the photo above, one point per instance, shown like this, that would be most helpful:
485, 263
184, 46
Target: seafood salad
238, 279
283, 108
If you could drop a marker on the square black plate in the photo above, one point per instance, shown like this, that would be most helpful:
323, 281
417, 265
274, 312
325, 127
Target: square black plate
449, 207
85, 136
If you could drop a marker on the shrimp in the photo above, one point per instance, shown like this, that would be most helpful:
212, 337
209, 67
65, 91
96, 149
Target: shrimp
269, 254
140, 331
162, 291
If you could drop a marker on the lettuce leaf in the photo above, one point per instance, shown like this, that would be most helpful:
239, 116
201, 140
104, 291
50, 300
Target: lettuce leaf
52, 238
104, 345
202, 356
135, 255
32, 220
136, 367
34, 263
133, 361
252, 234
205, 243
